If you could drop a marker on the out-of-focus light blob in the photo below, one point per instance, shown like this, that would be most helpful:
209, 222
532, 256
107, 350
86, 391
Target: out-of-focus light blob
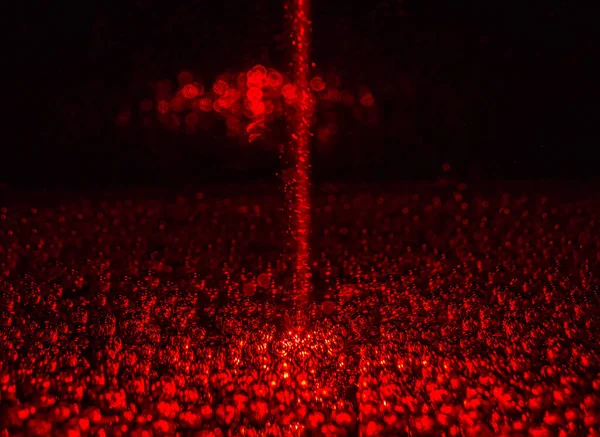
205, 104
317, 83
190, 91
275, 79
185, 78
256, 77
289, 92
191, 119
177, 103
219, 87
162, 107
254, 94
367, 99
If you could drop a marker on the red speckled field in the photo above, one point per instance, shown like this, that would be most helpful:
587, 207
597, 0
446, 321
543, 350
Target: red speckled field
436, 311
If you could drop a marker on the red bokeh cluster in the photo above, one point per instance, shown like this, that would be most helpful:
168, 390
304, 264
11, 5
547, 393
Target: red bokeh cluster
248, 101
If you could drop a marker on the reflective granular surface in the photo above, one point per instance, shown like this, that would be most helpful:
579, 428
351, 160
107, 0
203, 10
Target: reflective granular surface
439, 311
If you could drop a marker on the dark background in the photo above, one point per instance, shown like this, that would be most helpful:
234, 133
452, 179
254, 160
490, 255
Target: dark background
498, 90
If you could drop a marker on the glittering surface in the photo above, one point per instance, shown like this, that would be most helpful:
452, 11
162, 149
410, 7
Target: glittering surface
437, 311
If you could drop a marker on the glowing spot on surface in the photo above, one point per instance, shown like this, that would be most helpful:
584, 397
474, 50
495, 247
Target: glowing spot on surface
317, 83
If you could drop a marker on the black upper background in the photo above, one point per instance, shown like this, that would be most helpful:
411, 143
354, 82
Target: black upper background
500, 90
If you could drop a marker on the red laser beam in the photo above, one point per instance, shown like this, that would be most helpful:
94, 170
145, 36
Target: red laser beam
300, 142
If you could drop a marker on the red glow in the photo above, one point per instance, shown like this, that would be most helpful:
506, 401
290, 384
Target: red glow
275, 79
257, 107
317, 84
367, 99
205, 104
238, 96
177, 103
257, 76
300, 143
289, 91
190, 91
184, 78
162, 107
220, 87
254, 94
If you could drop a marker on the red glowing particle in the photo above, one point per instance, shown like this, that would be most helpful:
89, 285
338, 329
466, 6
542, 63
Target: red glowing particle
257, 107
161, 426
224, 103
264, 280
289, 91
219, 87
205, 104
373, 429
317, 83
231, 95
162, 107
315, 419
254, 94
256, 77
275, 79
343, 419
367, 99
184, 78
190, 91
446, 167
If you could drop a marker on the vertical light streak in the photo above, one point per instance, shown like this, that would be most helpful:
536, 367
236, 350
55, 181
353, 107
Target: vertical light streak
300, 143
